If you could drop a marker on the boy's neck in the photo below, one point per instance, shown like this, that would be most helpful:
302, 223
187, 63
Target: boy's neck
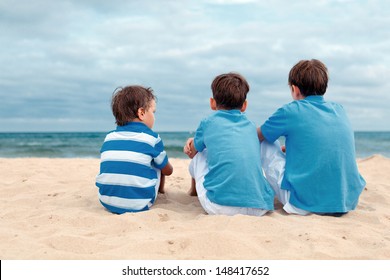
215, 107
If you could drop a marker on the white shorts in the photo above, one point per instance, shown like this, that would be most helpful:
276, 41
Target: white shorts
198, 169
273, 162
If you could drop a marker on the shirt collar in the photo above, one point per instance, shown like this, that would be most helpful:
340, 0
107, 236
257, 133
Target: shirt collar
318, 98
131, 125
231, 112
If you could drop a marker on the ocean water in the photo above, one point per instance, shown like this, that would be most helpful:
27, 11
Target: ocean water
73, 144
87, 144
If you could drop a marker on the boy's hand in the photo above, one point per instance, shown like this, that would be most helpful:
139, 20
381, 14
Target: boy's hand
189, 148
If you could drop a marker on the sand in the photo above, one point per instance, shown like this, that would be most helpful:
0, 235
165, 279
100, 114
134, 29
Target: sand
50, 210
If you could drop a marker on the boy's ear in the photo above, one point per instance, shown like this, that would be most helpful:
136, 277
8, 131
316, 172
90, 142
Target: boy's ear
141, 113
213, 104
243, 108
296, 92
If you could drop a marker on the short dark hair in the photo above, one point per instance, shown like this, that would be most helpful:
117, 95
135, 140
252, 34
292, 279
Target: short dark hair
230, 90
310, 76
126, 102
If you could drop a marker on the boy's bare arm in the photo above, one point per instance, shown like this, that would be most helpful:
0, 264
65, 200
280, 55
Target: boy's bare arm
189, 148
260, 134
167, 170
262, 138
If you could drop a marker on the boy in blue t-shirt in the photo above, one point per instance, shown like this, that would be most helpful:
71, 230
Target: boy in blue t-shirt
133, 160
318, 173
225, 152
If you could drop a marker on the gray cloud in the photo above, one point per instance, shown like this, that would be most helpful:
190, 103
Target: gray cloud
60, 61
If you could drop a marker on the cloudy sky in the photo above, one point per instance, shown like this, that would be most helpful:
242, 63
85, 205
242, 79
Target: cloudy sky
60, 61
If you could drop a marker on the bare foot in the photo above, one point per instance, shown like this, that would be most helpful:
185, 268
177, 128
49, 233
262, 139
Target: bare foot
192, 190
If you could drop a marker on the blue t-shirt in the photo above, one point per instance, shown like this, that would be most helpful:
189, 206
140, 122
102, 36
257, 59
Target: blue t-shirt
127, 179
321, 171
235, 175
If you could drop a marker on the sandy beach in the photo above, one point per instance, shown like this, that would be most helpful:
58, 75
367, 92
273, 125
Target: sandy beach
50, 210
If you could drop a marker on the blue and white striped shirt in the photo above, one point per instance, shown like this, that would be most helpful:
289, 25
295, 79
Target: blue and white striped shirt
127, 179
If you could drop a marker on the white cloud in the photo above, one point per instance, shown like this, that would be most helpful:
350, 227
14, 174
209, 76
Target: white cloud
62, 60
223, 2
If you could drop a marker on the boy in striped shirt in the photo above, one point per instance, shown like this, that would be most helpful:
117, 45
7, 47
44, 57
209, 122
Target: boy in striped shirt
133, 160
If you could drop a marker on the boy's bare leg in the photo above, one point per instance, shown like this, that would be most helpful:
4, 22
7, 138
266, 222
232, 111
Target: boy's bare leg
162, 184
192, 191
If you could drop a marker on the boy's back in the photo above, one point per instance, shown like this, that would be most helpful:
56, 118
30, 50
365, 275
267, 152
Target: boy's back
321, 171
321, 174
233, 154
226, 161
133, 160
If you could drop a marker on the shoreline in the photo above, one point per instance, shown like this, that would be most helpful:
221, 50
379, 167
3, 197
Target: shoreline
170, 158
50, 210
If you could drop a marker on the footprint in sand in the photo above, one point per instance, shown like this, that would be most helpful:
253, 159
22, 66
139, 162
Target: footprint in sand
163, 217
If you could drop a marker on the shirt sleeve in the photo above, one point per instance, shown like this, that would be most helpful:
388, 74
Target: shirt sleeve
275, 126
199, 138
160, 159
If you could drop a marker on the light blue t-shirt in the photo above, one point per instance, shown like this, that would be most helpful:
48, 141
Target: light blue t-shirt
235, 176
321, 171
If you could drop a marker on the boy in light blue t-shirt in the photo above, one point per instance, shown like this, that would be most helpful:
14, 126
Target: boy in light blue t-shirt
318, 173
225, 152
